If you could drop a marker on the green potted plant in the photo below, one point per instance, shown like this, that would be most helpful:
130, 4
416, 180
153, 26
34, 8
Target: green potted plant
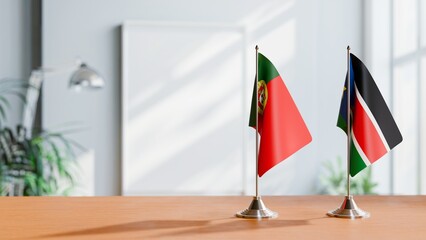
36, 165
333, 180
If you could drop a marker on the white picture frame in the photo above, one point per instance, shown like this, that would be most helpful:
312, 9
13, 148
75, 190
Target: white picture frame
162, 63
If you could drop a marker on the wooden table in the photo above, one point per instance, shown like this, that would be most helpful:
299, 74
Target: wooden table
301, 217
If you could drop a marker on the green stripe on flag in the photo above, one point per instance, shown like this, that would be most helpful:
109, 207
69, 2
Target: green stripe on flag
341, 123
267, 70
356, 163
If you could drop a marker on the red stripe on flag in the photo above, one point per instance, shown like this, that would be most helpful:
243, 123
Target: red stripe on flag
282, 128
366, 134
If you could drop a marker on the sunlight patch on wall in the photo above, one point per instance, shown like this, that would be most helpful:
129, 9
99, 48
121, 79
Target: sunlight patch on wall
406, 116
266, 12
283, 36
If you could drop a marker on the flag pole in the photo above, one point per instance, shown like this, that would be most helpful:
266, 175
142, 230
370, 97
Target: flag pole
257, 208
349, 208
349, 122
257, 122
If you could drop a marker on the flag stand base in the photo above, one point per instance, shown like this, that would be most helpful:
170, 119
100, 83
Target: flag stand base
257, 209
349, 209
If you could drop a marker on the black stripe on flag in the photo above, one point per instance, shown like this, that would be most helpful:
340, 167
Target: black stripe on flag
375, 102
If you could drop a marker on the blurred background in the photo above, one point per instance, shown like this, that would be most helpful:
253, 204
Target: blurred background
172, 117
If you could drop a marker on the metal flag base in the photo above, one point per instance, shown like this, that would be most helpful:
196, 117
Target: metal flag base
349, 209
257, 209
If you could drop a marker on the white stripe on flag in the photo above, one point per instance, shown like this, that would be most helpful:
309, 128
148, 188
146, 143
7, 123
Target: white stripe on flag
358, 148
373, 120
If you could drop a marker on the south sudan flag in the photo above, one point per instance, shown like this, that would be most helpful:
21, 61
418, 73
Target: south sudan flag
280, 125
373, 129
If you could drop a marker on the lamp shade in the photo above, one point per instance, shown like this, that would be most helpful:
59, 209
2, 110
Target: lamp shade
86, 77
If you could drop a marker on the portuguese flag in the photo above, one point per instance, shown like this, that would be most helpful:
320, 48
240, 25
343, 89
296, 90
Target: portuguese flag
280, 125
373, 129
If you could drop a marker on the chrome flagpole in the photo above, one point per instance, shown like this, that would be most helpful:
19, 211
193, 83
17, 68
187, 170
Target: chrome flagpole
257, 121
348, 209
257, 208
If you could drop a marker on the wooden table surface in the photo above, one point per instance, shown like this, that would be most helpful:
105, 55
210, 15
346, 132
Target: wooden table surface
300, 217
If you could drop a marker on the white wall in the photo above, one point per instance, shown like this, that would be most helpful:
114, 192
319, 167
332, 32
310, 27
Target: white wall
378, 58
306, 39
15, 47
400, 77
